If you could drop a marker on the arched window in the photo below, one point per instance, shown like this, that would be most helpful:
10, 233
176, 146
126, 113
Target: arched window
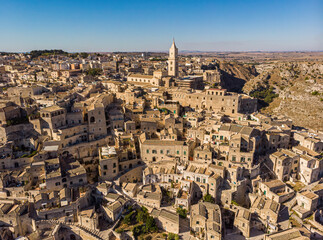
92, 119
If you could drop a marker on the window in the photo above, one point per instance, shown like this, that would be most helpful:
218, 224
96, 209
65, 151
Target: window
114, 165
197, 222
177, 152
184, 152
147, 151
105, 167
154, 151
233, 158
161, 151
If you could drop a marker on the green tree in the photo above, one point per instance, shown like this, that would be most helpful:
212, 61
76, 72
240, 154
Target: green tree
141, 216
208, 198
94, 72
182, 212
84, 55
172, 236
137, 230
127, 218
150, 225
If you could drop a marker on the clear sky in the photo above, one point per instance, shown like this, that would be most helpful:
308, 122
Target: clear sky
121, 25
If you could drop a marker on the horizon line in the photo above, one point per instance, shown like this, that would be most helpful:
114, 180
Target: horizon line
165, 51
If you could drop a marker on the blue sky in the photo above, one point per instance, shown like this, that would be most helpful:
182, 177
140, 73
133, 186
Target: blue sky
150, 25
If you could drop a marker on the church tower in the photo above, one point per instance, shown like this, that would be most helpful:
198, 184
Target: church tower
172, 61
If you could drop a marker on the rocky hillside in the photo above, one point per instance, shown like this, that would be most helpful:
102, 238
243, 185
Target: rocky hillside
299, 87
290, 88
235, 75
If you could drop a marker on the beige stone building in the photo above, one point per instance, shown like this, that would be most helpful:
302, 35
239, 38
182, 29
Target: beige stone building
166, 220
242, 221
289, 234
152, 150
206, 220
307, 203
150, 195
309, 141
310, 168
268, 212
114, 209
276, 190
285, 164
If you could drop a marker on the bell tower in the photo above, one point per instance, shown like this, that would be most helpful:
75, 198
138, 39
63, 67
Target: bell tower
172, 60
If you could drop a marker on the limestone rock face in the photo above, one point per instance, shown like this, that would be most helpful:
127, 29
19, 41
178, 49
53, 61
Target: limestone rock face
300, 89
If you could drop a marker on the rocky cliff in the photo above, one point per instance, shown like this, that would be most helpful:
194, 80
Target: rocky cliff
298, 85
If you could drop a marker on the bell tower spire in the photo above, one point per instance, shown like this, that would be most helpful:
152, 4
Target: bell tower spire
173, 60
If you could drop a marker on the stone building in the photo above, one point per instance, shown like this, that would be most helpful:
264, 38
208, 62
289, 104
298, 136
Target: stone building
276, 190
206, 219
166, 220
285, 164
152, 150
150, 195
242, 221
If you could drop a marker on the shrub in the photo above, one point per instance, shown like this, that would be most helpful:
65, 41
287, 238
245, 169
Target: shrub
181, 212
142, 215
127, 219
151, 225
265, 96
172, 236
208, 198
315, 93
94, 72
137, 230
120, 230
